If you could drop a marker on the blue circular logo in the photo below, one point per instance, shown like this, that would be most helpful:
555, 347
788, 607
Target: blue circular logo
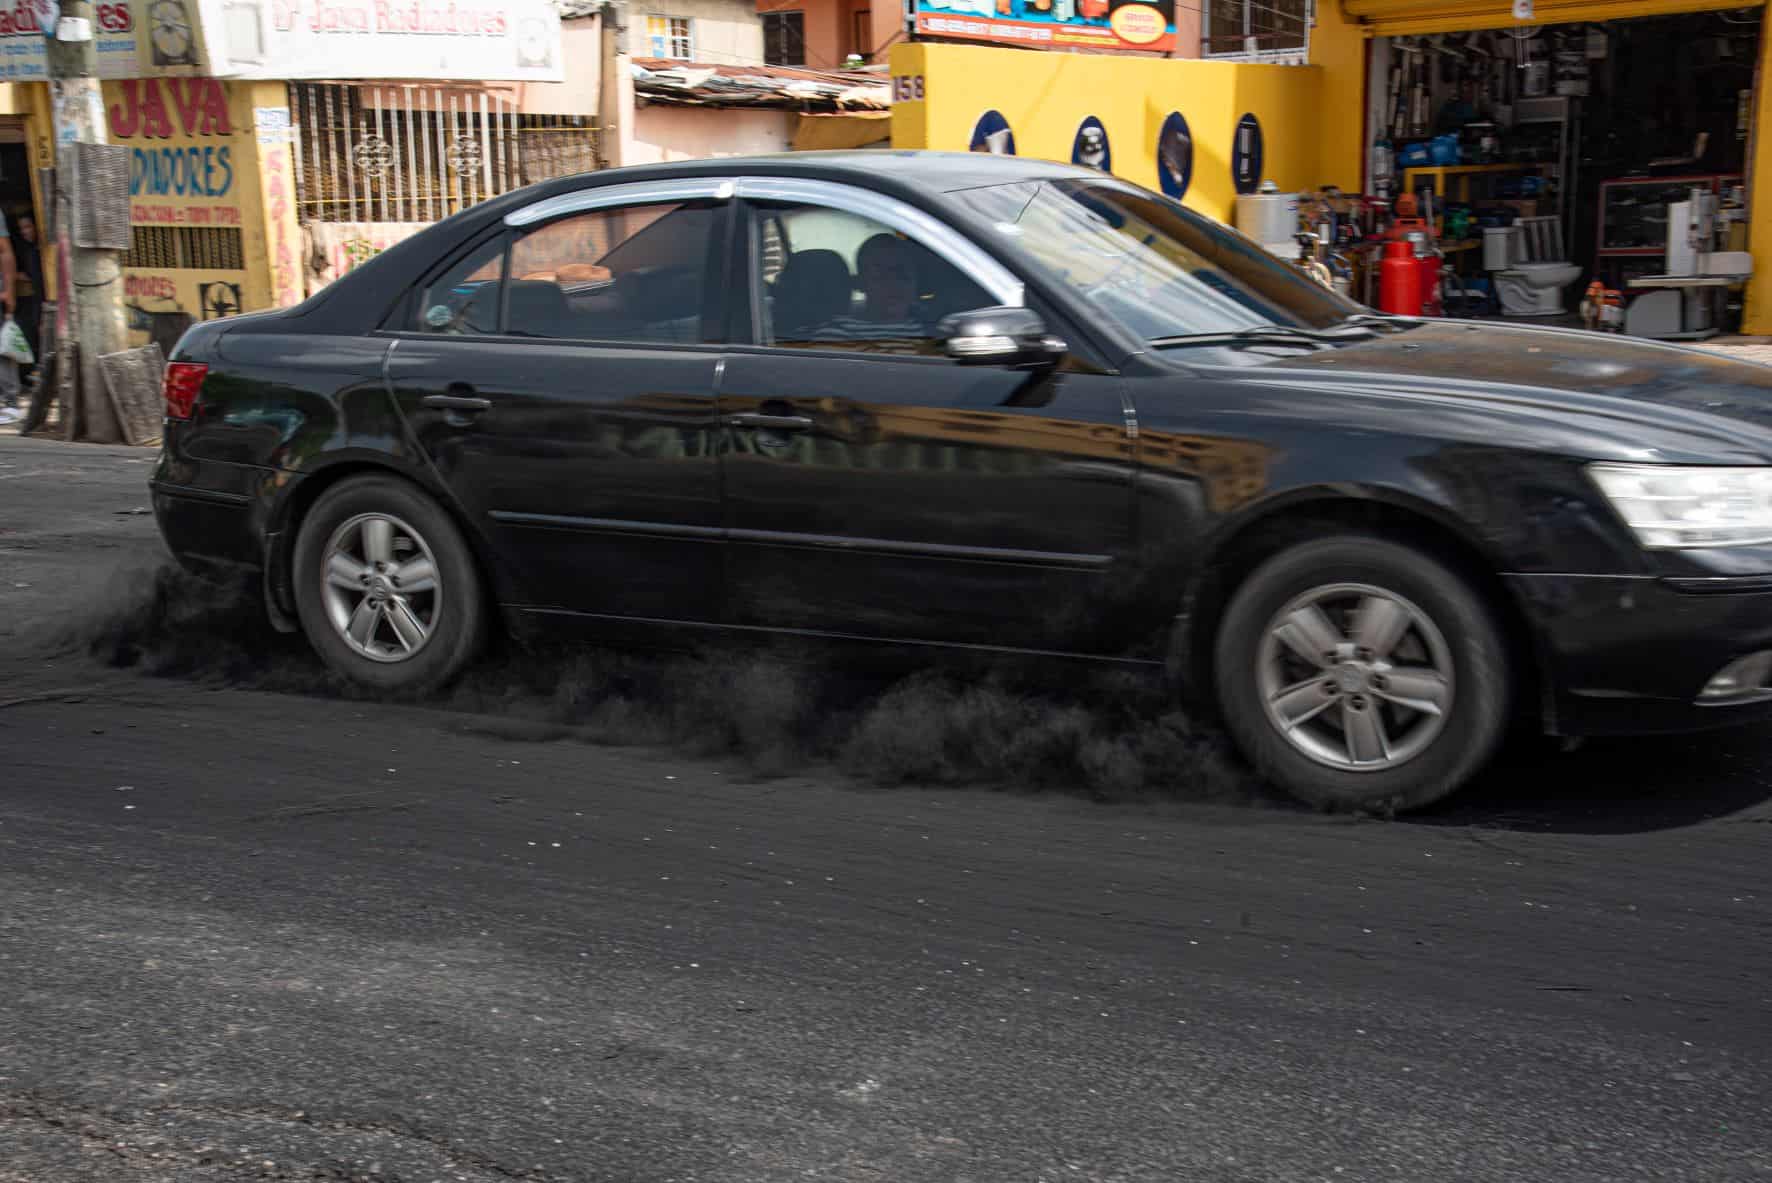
1246, 155
1175, 156
1091, 148
992, 134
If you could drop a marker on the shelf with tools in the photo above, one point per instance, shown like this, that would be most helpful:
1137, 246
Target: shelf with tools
1414, 175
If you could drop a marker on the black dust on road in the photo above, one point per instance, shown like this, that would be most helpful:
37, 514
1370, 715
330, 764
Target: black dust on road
1112, 736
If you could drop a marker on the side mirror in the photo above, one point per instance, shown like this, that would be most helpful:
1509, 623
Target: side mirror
1000, 336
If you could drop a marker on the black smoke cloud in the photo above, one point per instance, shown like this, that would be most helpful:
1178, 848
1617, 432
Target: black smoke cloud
1110, 736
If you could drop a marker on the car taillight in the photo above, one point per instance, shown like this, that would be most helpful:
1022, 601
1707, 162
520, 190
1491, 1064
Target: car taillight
180, 386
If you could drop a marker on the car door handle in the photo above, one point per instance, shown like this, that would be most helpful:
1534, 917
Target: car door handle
755, 419
456, 402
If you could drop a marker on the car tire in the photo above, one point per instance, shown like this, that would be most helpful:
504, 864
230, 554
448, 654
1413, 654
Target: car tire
406, 626
1322, 712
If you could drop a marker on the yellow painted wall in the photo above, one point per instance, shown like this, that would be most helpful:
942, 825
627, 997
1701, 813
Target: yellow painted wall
1338, 49
273, 245
1045, 96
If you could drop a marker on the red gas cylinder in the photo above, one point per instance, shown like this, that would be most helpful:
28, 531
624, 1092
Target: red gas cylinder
1399, 280
1430, 286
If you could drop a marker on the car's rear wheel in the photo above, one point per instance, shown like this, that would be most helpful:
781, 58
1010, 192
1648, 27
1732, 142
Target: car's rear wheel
385, 586
1358, 673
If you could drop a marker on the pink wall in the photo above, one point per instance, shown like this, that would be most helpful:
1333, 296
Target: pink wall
887, 18
581, 42
662, 132
831, 27
1187, 32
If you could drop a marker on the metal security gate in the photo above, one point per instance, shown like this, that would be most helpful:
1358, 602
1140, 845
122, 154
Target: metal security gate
411, 153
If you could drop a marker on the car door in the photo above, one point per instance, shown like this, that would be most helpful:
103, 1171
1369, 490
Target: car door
560, 377
873, 487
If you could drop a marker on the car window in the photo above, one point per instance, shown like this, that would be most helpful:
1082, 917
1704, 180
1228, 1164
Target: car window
827, 278
464, 299
634, 273
1158, 268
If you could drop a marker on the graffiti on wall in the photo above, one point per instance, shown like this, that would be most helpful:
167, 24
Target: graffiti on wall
337, 247
217, 299
162, 305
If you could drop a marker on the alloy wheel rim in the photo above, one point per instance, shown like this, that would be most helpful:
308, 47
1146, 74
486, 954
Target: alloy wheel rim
383, 591
1355, 677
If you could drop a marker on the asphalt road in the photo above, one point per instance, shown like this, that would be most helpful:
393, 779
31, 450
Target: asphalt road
247, 934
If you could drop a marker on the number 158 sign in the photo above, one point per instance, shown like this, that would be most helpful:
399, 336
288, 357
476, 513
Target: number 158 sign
907, 88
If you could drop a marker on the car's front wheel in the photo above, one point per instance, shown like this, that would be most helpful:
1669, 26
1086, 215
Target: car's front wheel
385, 586
1358, 673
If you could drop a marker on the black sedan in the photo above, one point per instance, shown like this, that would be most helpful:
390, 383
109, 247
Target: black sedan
977, 401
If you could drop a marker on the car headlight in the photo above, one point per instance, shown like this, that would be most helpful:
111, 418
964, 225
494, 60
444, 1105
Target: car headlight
1668, 507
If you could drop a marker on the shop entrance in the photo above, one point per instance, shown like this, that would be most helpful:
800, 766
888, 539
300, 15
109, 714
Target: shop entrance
23, 224
1551, 158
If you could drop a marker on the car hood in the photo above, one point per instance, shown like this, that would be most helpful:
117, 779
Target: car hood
1652, 396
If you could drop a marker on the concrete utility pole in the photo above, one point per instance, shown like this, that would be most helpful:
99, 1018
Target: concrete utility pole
612, 111
90, 282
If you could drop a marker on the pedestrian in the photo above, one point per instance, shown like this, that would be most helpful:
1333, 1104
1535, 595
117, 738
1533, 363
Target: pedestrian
9, 408
29, 252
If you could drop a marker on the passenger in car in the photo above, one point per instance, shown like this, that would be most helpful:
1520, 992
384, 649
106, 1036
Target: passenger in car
888, 271
891, 309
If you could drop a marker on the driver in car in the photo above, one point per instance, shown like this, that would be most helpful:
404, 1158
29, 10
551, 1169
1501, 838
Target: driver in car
891, 310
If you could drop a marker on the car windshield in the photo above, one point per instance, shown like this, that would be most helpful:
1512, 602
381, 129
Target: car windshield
1160, 269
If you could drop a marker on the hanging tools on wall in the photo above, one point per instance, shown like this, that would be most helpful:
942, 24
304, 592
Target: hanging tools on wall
1420, 95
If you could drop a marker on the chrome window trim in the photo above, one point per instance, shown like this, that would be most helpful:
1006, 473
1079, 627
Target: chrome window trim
634, 193
973, 261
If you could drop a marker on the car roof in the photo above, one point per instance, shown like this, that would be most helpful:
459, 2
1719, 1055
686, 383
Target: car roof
941, 171
365, 294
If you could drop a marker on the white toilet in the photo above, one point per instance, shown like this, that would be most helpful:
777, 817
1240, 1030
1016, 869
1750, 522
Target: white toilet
1526, 262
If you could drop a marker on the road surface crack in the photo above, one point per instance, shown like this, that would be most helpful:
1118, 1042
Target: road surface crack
351, 803
67, 694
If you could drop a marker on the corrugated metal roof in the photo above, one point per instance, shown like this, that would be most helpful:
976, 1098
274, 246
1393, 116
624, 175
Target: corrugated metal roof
699, 84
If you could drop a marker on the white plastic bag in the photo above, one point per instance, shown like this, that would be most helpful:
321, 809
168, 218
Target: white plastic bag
13, 344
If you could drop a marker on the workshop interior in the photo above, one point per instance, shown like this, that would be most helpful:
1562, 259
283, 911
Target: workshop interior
1586, 175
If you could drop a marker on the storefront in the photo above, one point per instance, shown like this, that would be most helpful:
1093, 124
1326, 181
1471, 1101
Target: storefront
1597, 113
1577, 151
212, 182
224, 216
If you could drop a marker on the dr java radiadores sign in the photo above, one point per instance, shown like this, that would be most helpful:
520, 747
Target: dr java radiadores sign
433, 39
1055, 24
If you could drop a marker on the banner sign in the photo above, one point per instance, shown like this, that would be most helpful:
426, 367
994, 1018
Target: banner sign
504, 40
1053, 24
24, 50
445, 40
